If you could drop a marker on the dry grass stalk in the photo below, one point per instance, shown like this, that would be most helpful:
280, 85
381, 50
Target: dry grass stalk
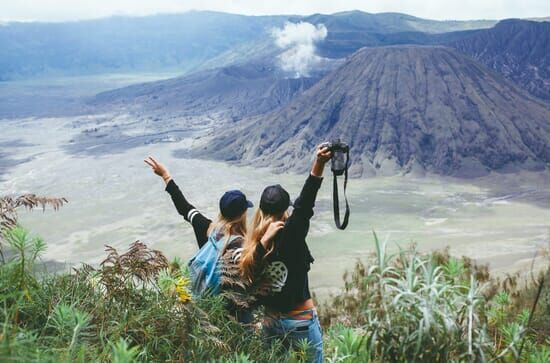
139, 266
9, 206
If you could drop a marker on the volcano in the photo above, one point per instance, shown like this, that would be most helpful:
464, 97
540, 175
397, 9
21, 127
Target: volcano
402, 109
232, 92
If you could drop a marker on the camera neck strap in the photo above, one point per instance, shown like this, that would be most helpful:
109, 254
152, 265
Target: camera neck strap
336, 201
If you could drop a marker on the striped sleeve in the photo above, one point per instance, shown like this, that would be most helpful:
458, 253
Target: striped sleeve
199, 222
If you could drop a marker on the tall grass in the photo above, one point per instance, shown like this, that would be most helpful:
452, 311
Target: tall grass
409, 307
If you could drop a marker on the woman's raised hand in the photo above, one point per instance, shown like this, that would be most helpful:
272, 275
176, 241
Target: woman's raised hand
271, 232
158, 169
322, 155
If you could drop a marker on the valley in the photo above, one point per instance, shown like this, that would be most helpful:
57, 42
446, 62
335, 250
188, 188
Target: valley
114, 199
445, 107
449, 133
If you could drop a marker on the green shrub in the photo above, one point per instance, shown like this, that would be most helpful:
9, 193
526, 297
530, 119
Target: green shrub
347, 345
135, 307
122, 353
417, 308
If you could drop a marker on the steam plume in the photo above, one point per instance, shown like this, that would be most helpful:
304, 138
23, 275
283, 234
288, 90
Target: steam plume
299, 40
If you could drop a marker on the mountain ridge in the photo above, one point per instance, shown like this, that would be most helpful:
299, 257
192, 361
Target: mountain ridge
230, 92
125, 44
402, 109
518, 49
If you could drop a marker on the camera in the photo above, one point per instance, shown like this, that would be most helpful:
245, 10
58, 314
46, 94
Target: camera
339, 166
339, 161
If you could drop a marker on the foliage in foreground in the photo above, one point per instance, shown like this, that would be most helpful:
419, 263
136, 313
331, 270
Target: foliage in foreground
136, 306
409, 307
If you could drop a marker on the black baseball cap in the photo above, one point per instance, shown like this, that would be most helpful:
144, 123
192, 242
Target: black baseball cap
233, 203
274, 200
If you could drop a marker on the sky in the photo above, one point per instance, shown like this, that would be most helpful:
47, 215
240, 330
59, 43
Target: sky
63, 10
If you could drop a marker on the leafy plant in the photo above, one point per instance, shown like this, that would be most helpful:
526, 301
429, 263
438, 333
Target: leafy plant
348, 345
121, 352
421, 308
10, 205
26, 250
301, 352
237, 358
69, 325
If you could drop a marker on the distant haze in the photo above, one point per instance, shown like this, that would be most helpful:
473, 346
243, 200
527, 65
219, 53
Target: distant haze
62, 10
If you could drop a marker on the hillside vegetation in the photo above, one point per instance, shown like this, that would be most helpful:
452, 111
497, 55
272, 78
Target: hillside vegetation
136, 306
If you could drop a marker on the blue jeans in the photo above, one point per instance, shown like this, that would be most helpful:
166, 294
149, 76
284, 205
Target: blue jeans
291, 331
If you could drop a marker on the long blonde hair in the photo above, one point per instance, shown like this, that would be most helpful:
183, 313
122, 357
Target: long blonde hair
256, 230
229, 227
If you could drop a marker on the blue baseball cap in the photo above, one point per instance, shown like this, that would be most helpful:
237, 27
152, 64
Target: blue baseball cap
233, 203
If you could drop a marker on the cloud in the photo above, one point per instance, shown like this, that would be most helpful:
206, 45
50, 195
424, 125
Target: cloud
298, 40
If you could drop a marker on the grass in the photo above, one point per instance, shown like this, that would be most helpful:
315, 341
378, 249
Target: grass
410, 307
136, 307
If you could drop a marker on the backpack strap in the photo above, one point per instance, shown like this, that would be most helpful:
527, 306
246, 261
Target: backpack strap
212, 238
228, 243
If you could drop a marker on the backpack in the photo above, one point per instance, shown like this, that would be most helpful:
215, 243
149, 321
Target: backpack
204, 266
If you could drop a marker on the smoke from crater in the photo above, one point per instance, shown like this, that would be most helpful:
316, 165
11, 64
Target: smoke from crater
298, 40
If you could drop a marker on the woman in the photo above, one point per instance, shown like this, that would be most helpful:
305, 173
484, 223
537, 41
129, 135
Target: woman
230, 225
276, 259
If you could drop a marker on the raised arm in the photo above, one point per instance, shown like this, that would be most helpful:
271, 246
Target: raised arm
199, 222
298, 223
322, 156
